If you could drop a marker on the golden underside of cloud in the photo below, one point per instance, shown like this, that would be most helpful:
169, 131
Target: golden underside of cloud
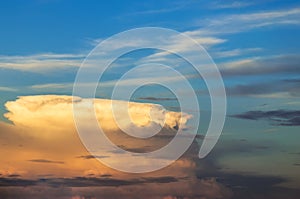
43, 142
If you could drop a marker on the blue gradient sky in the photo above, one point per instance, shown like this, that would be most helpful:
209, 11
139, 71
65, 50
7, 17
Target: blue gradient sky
240, 31
255, 44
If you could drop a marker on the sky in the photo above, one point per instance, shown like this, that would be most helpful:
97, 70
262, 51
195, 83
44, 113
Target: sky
255, 46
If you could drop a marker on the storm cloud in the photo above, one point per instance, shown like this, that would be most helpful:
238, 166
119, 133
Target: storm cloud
53, 163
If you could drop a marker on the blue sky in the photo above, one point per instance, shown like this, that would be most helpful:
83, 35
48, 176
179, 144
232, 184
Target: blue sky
68, 26
255, 45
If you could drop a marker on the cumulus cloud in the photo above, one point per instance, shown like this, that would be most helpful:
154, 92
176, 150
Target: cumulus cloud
49, 119
44, 133
47, 108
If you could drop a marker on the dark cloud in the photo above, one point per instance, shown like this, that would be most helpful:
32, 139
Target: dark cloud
295, 153
92, 157
203, 189
243, 184
286, 64
284, 88
35, 192
9, 182
14, 176
253, 181
291, 86
168, 136
46, 161
157, 98
46, 175
106, 176
142, 149
164, 179
103, 181
255, 186
208, 176
276, 117
293, 80
251, 89
88, 182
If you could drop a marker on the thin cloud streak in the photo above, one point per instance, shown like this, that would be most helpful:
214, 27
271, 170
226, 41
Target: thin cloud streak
41, 62
46, 161
231, 5
235, 23
8, 89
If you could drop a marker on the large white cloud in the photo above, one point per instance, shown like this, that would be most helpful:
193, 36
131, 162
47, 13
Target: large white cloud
45, 131
51, 110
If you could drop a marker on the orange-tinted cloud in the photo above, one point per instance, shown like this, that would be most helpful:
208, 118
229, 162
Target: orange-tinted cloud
43, 143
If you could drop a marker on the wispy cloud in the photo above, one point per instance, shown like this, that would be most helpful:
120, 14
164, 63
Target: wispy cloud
174, 6
41, 62
156, 11
210, 31
219, 53
52, 86
235, 23
139, 78
8, 89
230, 5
